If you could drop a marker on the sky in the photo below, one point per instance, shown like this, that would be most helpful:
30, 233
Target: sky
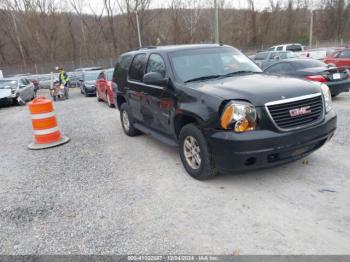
259, 4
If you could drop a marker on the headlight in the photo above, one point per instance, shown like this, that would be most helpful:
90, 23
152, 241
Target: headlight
327, 97
239, 116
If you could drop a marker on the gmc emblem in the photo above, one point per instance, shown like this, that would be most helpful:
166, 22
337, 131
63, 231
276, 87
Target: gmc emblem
300, 111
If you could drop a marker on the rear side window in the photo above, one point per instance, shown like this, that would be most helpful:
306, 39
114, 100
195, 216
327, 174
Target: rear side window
156, 64
280, 48
344, 54
137, 67
261, 56
271, 49
294, 48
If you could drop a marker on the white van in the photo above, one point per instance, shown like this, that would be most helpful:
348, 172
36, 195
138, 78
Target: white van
287, 47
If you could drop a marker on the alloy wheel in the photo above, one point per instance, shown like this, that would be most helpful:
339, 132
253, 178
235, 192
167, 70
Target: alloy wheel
192, 152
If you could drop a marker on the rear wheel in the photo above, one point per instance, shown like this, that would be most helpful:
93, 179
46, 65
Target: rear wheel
126, 121
195, 154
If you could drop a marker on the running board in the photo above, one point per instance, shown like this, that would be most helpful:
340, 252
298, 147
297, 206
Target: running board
156, 135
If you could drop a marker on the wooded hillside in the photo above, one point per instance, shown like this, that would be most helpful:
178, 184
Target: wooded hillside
36, 31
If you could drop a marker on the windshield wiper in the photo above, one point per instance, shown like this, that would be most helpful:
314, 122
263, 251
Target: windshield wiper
240, 72
203, 78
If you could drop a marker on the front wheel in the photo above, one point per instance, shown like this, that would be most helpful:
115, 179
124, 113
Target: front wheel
195, 154
126, 121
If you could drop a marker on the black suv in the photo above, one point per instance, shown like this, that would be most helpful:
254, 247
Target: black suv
219, 108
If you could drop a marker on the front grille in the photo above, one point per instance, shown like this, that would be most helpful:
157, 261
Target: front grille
296, 113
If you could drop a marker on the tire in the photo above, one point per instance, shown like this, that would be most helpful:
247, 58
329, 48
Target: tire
126, 121
334, 95
85, 94
202, 165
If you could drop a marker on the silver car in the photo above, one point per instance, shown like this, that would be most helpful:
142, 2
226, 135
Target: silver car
19, 90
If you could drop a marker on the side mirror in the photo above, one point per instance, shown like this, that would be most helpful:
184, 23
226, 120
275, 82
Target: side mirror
155, 78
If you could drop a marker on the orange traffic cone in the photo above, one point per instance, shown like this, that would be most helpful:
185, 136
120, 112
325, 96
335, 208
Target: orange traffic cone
46, 132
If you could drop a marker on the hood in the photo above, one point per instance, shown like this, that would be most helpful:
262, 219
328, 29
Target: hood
90, 83
258, 89
5, 92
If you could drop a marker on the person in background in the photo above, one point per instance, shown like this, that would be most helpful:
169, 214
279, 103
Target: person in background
63, 79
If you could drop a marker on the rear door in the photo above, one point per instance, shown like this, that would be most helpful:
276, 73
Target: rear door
135, 90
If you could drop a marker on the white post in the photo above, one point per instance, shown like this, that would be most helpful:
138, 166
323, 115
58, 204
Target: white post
311, 28
51, 83
138, 29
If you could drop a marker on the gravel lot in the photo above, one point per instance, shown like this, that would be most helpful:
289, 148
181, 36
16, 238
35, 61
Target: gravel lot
106, 193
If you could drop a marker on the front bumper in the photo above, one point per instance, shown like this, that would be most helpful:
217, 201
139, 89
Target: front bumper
264, 148
90, 90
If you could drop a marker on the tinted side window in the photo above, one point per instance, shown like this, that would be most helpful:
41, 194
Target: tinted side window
137, 67
156, 64
294, 48
271, 49
344, 54
280, 48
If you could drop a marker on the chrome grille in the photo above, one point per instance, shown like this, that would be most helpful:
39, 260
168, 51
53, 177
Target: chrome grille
296, 112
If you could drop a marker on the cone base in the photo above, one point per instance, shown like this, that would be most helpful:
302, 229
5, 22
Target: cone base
62, 141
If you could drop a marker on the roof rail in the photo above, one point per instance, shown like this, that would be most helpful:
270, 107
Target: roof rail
148, 47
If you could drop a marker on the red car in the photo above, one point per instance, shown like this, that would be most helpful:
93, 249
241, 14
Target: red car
339, 58
104, 91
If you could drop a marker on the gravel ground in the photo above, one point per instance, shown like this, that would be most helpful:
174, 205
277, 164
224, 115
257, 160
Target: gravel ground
106, 193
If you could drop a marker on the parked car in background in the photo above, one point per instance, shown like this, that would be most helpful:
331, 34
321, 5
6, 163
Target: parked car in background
265, 59
46, 80
215, 104
104, 89
339, 58
336, 78
319, 53
16, 90
74, 78
87, 83
294, 47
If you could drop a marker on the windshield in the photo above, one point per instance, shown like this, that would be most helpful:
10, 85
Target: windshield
92, 75
206, 62
286, 55
110, 75
8, 84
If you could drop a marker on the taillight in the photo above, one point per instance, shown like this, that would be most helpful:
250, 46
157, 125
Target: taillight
317, 78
